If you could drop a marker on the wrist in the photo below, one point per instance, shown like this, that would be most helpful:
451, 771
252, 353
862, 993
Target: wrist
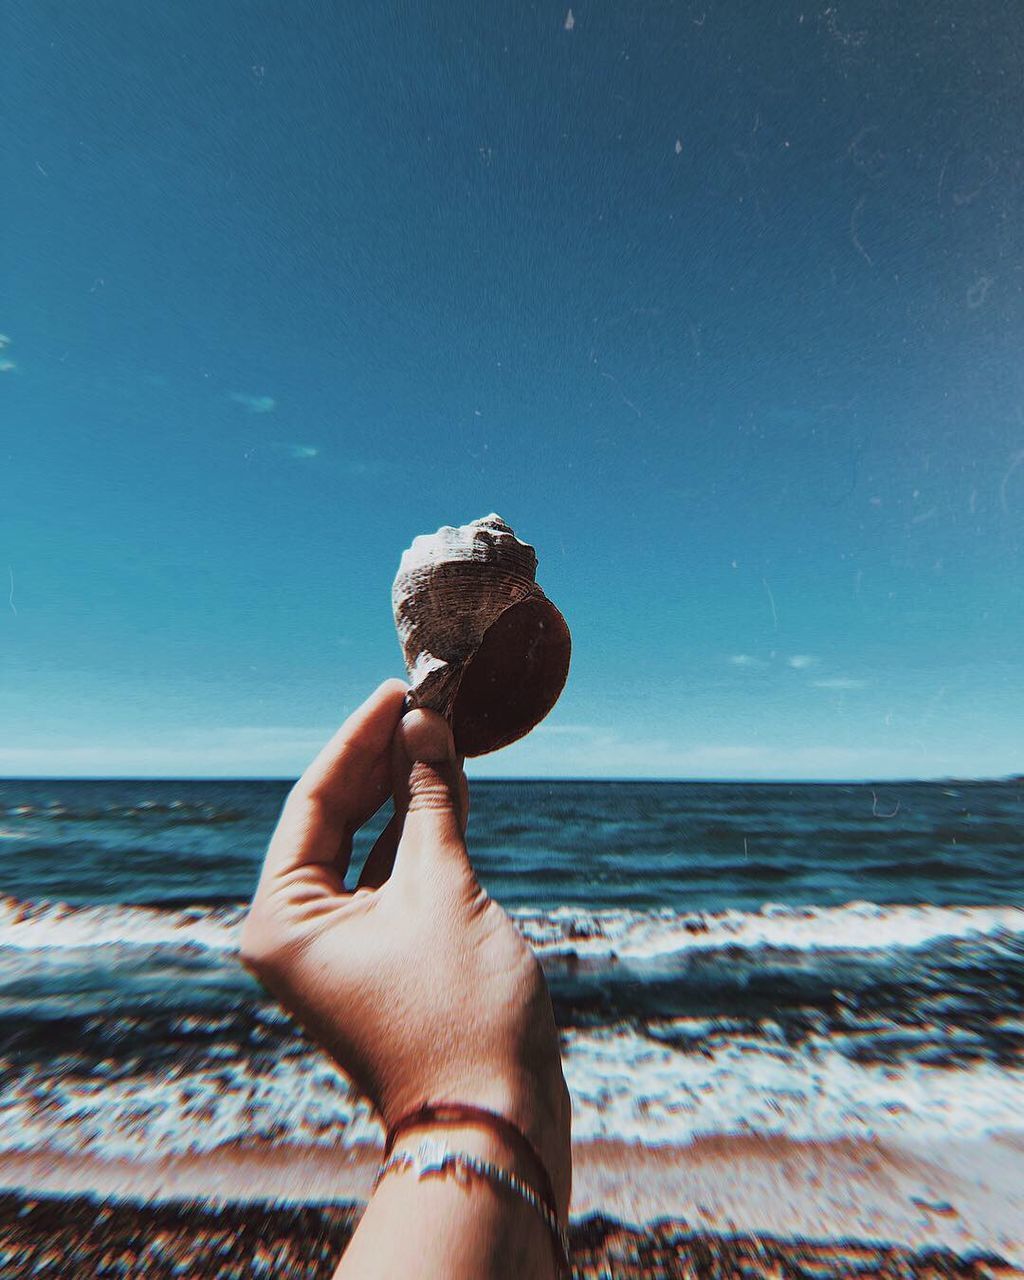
524, 1132
472, 1152
544, 1116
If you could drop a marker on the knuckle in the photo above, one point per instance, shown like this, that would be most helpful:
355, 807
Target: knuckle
429, 790
310, 804
300, 793
258, 946
306, 794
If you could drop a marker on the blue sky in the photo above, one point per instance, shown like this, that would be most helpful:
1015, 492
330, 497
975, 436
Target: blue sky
720, 307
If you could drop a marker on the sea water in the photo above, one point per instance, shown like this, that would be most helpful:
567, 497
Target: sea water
816, 961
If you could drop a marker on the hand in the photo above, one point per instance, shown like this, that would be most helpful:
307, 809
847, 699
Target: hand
417, 983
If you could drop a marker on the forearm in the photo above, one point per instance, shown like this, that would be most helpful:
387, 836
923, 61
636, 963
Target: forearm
441, 1226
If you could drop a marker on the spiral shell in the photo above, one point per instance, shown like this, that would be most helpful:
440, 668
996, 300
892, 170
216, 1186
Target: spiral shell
483, 644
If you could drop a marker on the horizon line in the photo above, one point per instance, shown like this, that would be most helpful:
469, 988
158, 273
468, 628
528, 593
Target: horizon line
661, 779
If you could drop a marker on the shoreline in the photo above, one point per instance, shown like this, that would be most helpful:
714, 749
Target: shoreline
963, 1197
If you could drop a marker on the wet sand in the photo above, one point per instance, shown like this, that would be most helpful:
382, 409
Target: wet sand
720, 1207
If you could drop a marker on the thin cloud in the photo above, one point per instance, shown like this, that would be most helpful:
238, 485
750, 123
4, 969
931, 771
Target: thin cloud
745, 660
233, 751
283, 751
605, 754
255, 404
301, 451
801, 661
839, 682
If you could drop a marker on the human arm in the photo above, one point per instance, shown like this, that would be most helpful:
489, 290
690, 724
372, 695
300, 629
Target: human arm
434, 1227
420, 987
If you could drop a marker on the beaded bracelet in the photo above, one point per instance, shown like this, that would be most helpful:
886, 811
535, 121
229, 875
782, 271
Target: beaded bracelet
433, 1158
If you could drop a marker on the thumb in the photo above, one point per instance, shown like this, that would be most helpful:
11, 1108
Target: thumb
430, 793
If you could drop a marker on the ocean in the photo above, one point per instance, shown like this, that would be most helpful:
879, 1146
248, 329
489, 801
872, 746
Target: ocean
813, 961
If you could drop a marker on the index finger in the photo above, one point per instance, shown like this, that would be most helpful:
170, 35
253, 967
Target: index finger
344, 786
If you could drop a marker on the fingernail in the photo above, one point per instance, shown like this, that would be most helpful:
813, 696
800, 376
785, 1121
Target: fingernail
427, 737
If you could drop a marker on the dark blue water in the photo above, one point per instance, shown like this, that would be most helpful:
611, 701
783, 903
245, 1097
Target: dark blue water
690, 846
813, 959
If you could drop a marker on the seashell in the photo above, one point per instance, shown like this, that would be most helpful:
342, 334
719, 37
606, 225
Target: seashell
483, 644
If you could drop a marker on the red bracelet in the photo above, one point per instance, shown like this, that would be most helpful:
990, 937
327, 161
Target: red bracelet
459, 1113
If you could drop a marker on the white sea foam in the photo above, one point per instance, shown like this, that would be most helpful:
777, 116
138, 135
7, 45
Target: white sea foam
857, 926
626, 934
624, 1086
295, 1099
47, 925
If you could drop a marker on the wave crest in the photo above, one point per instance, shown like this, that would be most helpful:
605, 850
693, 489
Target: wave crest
559, 931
